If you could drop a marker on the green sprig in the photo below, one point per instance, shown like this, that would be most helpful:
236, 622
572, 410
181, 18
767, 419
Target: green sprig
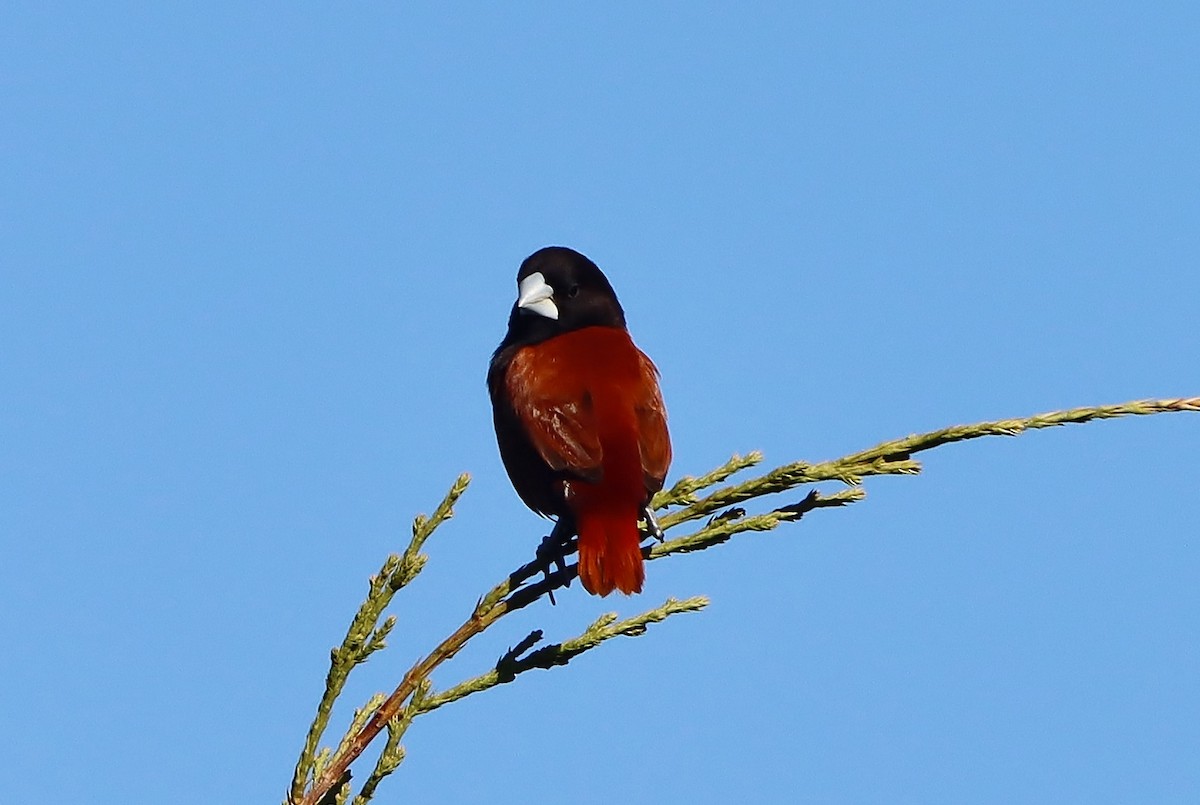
365, 635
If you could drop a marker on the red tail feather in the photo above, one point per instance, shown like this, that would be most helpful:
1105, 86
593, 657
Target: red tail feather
610, 553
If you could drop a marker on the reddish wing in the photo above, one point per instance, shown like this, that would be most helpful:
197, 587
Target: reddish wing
559, 417
653, 438
561, 428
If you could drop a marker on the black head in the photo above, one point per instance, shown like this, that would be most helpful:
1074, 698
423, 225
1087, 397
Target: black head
559, 290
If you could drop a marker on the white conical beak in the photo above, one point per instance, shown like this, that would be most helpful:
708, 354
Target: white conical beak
534, 295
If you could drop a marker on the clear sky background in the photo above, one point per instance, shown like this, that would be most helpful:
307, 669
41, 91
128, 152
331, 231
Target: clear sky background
254, 259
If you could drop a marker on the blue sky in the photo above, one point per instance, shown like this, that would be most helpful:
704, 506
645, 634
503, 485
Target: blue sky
253, 262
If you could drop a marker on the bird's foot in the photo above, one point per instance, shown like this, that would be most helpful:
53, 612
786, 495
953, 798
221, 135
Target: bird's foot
653, 529
551, 553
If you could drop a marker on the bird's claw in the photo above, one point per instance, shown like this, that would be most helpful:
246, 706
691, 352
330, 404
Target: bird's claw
653, 529
551, 554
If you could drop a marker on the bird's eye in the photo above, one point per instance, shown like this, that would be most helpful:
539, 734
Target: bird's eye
573, 292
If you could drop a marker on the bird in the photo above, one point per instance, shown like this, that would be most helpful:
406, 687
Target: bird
579, 416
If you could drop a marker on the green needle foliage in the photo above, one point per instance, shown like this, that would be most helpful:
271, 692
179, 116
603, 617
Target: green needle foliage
322, 776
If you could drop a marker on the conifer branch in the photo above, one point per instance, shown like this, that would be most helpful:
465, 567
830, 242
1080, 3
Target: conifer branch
895, 457
323, 777
365, 635
512, 664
